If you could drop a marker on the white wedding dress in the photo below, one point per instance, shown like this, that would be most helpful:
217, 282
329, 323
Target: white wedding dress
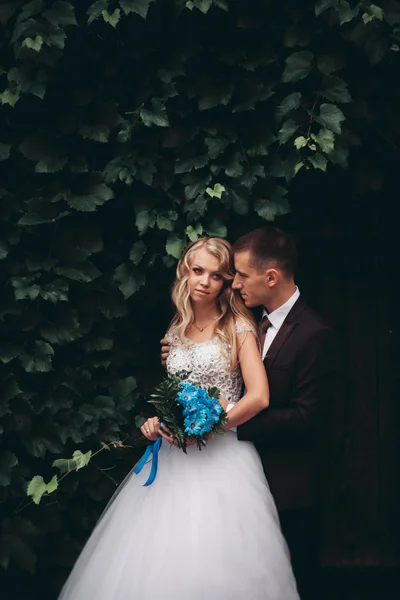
206, 528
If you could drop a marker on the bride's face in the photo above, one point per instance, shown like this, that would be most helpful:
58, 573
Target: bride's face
205, 279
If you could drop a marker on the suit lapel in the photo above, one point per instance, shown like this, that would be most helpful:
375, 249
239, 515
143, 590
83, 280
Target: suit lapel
284, 332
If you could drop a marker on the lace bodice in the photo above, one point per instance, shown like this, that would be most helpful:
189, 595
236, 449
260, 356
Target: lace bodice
208, 362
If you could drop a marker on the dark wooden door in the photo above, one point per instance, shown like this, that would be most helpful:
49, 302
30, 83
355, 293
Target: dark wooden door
350, 282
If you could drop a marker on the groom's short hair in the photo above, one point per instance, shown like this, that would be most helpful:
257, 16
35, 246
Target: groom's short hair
269, 247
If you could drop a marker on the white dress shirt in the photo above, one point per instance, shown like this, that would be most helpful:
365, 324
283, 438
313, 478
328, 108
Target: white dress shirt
276, 318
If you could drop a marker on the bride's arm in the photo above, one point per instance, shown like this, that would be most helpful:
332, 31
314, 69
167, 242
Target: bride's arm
255, 379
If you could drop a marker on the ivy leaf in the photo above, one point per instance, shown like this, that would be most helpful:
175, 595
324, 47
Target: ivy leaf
219, 97
235, 167
82, 272
336, 90
240, 203
37, 487
61, 14
166, 222
286, 131
10, 97
81, 460
140, 7
298, 66
331, 117
55, 292
216, 191
276, 205
129, 279
329, 63
323, 5
216, 146
4, 250
291, 102
112, 18
4, 151
345, 12
138, 250
35, 44
97, 133
216, 229
158, 116
23, 288
319, 161
98, 196
203, 5
174, 246
300, 142
194, 232
326, 140
40, 360
8, 461
96, 9
187, 165
144, 220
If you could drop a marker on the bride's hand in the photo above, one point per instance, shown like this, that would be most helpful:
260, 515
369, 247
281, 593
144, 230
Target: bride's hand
224, 403
151, 429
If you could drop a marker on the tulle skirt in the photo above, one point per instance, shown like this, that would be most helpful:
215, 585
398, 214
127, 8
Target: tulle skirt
206, 528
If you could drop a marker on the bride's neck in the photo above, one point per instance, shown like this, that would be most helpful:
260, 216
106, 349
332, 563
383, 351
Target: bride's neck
202, 313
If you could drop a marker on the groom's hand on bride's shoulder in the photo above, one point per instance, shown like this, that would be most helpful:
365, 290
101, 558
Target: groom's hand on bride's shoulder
165, 348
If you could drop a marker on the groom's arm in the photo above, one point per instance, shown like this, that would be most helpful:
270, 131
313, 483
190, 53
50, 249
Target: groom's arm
313, 390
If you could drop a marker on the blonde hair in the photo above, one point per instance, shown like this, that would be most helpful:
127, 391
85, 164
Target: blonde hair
229, 302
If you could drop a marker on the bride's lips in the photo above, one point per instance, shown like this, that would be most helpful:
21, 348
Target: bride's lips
202, 292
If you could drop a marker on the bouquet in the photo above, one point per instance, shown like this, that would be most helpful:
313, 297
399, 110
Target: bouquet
190, 411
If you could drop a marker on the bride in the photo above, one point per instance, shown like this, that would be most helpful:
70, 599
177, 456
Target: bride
207, 527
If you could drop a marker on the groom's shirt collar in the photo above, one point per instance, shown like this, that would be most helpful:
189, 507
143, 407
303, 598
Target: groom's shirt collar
277, 317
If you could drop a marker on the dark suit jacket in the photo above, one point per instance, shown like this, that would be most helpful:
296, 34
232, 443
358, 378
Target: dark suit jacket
301, 365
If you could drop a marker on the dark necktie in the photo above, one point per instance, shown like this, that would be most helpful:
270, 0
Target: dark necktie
264, 326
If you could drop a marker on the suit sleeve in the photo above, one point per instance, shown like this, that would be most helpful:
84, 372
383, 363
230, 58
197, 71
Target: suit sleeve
313, 389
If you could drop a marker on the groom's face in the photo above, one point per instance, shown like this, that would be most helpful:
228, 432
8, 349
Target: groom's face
251, 283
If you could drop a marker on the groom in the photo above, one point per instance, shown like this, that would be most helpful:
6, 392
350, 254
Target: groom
299, 354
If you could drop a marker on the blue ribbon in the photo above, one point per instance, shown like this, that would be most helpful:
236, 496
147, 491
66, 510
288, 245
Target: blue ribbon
152, 449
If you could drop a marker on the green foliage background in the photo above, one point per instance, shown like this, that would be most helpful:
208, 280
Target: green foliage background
127, 128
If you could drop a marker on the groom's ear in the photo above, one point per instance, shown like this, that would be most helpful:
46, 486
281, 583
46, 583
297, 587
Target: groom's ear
272, 276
